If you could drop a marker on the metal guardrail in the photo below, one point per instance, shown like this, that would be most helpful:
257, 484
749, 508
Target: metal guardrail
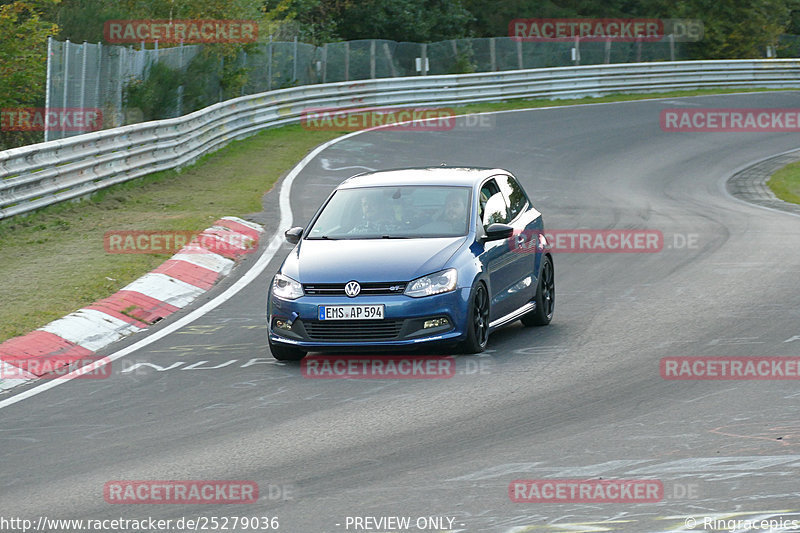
46, 173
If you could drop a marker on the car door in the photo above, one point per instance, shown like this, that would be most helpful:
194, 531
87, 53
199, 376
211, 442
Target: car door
498, 262
523, 252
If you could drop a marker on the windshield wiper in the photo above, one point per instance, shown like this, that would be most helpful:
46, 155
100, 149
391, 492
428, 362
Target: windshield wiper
394, 237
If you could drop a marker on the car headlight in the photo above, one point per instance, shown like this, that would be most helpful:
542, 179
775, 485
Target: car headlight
286, 288
438, 283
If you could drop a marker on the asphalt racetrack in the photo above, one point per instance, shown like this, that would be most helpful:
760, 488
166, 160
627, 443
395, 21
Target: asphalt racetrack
580, 399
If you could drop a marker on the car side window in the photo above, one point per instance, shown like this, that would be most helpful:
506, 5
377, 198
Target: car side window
493, 208
514, 195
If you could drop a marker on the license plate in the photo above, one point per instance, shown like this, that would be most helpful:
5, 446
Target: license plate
351, 312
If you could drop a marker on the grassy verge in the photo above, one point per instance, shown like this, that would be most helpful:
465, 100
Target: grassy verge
785, 183
53, 261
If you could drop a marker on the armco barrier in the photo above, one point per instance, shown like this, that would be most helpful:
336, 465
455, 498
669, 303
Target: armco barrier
46, 173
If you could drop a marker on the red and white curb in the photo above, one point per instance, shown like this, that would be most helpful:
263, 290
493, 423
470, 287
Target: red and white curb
172, 286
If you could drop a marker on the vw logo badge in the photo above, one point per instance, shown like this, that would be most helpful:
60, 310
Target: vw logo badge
352, 289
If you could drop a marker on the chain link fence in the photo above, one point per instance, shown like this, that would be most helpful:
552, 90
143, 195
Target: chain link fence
130, 85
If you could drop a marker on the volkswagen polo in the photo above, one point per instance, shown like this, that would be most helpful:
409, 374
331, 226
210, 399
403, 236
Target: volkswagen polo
412, 257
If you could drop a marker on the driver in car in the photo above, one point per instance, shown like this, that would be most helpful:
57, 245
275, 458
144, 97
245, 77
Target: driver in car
372, 219
455, 212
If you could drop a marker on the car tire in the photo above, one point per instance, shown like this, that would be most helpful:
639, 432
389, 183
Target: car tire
477, 320
545, 297
285, 353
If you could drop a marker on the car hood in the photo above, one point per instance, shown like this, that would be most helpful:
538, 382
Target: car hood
368, 260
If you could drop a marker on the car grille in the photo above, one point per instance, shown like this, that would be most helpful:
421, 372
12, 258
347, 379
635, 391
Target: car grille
367, 289
354, 330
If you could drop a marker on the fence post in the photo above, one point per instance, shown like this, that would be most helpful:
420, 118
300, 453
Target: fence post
66, 74
97, 98
519, 54
424, 67
390, 59
83, 76
347, 61
47, 84
492, 55
221, 74
244, 68
269, 64
179, 102
577, 51
325, 63
607, 58
294, 62
671, 47
118, 96
638, 49
372, 59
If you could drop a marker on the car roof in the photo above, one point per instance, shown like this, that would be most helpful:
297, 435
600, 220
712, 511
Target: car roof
458, 176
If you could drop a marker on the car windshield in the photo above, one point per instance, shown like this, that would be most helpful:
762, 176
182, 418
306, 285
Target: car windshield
394, 212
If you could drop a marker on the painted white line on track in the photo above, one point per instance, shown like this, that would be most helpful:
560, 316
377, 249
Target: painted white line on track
275, 243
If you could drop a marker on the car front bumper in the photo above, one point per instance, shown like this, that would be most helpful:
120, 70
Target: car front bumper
402, 325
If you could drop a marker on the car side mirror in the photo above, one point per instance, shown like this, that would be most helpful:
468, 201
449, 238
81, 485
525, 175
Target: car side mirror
497, 231
293, 234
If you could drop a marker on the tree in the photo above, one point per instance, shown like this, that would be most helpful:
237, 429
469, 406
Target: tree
736, 29
404, 20
23, 60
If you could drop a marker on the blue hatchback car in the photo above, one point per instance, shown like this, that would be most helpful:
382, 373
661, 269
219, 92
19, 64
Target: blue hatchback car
412, 257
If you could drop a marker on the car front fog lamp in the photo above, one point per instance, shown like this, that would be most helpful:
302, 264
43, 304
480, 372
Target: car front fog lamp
438, 283
435, 323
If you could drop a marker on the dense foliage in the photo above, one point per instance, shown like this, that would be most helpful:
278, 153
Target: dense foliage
733, 29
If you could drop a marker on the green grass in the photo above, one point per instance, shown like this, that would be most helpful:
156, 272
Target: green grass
785, 183
52, 262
